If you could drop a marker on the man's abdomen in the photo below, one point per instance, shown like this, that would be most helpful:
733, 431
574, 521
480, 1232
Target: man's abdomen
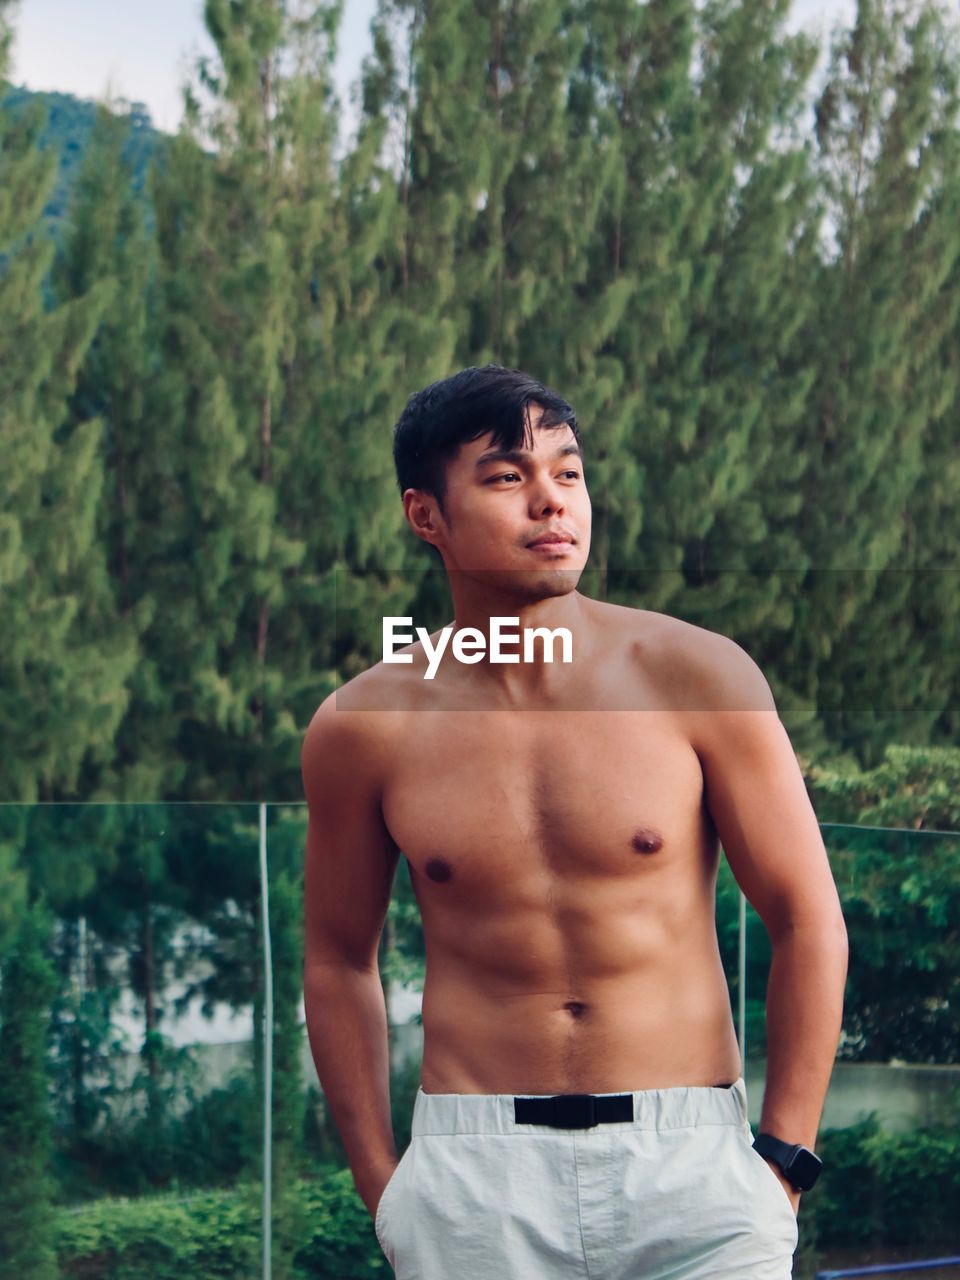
663, 1023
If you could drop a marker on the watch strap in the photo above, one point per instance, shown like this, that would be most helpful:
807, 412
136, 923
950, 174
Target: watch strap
784, 1155
775, 1149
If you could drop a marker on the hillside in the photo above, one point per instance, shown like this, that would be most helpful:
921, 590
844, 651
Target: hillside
67, 131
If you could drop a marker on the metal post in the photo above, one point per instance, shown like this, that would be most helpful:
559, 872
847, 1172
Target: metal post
81, 956
267, 1049
742, 985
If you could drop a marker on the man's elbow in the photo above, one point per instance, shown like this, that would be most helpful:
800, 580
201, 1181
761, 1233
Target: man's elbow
825, 926
331, 968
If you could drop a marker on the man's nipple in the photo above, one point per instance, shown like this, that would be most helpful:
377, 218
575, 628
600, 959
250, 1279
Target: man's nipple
646, 840
438, 869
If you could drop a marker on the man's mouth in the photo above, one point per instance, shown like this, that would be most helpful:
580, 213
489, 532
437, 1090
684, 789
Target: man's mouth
551, 539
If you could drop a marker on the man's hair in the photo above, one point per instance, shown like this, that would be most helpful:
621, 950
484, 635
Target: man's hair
440, 418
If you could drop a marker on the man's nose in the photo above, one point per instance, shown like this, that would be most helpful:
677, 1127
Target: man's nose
546, 498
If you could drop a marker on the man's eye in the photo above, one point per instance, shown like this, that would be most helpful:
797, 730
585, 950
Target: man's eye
513, 475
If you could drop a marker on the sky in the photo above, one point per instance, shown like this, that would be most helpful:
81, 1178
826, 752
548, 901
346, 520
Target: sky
143, 51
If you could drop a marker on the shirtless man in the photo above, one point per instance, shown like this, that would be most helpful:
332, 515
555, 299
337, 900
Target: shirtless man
563, 823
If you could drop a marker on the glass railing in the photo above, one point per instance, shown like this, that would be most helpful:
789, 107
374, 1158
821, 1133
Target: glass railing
153, 1128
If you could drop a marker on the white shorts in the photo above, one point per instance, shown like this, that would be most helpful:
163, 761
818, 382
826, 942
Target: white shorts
676, 1193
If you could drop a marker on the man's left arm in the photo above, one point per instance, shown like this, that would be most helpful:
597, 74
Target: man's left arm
755, 794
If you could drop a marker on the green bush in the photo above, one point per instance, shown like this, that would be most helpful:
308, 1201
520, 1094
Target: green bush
211, 1235
211, 1144
218, 1235
343, 1244
888, 1188
844, 1203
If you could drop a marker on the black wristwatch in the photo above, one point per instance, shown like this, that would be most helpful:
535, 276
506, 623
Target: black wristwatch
799, 1165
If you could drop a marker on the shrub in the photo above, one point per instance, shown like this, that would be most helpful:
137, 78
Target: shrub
218, 1235
879, 1187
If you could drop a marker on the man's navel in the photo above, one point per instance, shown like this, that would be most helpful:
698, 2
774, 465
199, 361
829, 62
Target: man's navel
577, 1008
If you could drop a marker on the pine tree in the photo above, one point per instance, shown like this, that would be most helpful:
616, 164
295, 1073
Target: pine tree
62, 668
888, 141
401, 202
275, 383
931, 545
26, 1190
107, 241
499, 188
718, 197
65, 855
636, 104
13, 881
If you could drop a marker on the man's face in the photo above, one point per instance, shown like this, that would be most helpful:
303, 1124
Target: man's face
502, 507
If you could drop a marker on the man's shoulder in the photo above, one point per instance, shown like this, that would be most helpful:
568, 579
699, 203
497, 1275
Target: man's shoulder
648, 631
713, 673
358, 717
700, 669
369, 703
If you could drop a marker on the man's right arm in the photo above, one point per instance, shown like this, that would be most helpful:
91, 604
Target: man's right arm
349, 866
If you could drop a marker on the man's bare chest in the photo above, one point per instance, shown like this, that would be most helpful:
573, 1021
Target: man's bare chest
500, 798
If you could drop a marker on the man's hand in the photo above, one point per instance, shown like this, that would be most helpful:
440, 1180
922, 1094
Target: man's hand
787, 1186
374, 1204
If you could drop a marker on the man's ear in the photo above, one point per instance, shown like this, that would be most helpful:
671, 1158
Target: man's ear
423, 515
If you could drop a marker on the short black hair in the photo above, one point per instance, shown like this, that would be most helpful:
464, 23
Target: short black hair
441, 417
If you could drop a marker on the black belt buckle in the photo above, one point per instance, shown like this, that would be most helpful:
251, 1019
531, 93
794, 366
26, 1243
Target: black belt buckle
574, 1111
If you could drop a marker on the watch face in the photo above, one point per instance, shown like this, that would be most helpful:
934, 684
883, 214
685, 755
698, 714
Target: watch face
804, 1168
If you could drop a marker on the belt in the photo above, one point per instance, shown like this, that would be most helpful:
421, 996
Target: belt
574, 1110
